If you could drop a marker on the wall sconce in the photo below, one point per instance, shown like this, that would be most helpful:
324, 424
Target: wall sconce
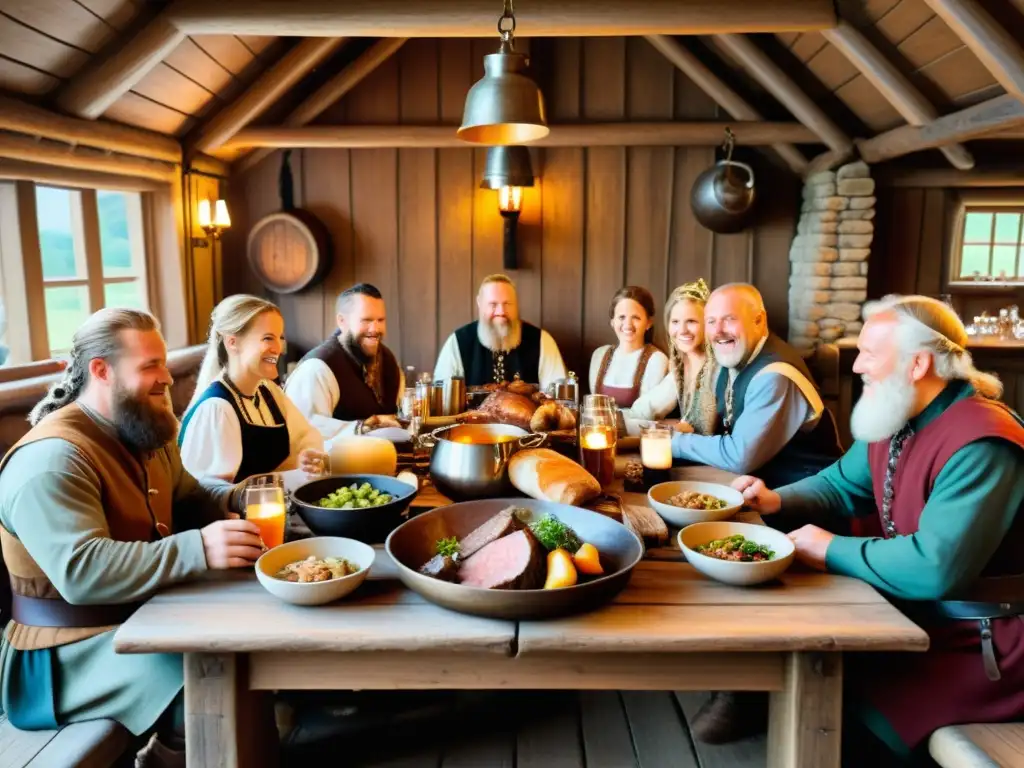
213, 225
508, 170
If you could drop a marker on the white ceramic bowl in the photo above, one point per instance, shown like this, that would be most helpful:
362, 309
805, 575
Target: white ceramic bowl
317, 592
680, 516
733, 572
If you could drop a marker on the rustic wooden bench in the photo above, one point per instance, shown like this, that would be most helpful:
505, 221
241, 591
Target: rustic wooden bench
94, 744
978, 745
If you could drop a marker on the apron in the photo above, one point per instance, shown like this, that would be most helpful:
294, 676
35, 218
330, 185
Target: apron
623, 396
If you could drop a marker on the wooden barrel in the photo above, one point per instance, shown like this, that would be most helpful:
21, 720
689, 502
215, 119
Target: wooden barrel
289, 250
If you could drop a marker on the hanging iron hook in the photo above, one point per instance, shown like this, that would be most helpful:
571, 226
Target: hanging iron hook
508, 14
729, 143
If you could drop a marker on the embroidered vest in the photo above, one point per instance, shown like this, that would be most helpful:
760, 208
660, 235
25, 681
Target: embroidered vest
357, 400
925, 454
810, 450
136, 496
478, 362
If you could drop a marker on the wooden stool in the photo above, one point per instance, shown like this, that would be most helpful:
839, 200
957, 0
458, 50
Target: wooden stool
93, 744
978, 745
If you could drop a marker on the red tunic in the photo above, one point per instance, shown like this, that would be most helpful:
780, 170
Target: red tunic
918, 693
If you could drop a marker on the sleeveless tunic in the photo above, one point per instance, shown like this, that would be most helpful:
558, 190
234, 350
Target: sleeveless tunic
623, 396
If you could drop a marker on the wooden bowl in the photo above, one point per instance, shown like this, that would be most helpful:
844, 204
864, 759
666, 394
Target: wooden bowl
412, 544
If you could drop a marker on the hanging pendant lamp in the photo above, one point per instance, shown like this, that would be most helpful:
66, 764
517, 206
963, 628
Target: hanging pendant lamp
504, 106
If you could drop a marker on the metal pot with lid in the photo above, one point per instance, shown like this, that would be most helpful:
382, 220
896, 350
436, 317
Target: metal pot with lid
722, 198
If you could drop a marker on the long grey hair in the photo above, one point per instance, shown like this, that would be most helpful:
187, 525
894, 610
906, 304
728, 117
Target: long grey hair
99, 337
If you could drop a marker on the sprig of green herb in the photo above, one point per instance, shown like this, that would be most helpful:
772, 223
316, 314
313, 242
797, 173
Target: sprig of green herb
448, 547
554, 534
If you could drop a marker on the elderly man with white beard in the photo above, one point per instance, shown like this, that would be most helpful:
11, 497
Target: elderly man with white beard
500, 346
938, 462
771, 419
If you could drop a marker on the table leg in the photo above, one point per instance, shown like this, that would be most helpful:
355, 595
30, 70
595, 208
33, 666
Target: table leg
226, 724
805, 718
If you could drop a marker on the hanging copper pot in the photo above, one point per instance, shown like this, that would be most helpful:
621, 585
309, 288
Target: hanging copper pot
722, 198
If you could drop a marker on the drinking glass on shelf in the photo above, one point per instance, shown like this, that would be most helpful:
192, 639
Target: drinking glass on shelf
265, 506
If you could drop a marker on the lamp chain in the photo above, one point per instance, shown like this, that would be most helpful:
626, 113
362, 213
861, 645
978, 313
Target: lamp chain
507, 15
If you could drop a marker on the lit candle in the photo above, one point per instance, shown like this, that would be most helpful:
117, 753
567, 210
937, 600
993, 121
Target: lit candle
595, 439
656, 452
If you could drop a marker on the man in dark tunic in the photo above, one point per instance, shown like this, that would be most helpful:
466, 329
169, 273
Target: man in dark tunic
351, 383
500, 346
771, 420
938, 469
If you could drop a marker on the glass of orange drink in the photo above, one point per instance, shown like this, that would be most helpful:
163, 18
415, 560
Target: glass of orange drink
265, 506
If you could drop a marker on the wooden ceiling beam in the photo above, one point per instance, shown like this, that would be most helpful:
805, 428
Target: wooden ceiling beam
998, 51
759, 66
331, 91
20, 170
477, 18
982, 119
737, 107
890, 82
22, 117
83, 158
570, 135
944, 177
91, 92
270, 86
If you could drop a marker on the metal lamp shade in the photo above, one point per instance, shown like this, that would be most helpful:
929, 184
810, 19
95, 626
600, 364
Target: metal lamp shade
505, 106
507, 167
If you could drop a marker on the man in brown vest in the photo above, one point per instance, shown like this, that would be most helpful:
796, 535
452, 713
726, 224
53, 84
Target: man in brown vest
351, 383
937, 471
97, 514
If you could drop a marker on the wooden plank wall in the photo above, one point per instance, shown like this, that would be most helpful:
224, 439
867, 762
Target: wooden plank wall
415, 223
913, 239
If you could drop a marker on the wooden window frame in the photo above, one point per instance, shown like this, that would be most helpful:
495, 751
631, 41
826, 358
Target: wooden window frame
984, 201
22, 269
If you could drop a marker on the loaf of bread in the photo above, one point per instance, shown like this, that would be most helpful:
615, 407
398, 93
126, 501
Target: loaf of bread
547, 475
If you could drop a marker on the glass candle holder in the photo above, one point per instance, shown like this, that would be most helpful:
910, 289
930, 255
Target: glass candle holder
598, 438
655, 453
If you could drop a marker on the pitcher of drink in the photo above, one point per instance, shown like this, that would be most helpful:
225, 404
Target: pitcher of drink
598, 430
265, 506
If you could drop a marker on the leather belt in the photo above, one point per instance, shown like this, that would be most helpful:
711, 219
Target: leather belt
55, 612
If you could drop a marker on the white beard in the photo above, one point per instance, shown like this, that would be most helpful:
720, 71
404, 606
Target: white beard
885, 411
730, 359
497, 338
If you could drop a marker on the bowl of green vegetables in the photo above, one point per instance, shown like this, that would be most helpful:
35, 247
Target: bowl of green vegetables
362, 507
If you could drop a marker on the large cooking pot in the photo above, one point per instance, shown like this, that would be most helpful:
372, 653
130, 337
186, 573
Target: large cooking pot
470, 461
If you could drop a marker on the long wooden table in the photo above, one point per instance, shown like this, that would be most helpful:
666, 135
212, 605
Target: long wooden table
670, 629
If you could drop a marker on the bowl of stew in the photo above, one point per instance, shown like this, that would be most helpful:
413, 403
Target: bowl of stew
684, 502
736, 553
315, 571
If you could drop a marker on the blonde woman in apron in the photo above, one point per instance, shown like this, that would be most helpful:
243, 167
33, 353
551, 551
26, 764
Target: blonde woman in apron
687, 393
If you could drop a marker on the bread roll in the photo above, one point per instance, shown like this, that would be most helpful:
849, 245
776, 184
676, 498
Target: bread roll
544, 474
552, 416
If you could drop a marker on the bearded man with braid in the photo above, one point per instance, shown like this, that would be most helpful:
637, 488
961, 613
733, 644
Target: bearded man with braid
96, 515
938, 465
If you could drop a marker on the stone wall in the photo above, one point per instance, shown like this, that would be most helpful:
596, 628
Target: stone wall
829, 258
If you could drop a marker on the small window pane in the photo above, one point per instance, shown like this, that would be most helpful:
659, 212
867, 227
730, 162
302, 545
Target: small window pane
61, 258
1004, 262
975, 259
124, 295
67, 308
978, 228
5, 351
120, 227
1007, 228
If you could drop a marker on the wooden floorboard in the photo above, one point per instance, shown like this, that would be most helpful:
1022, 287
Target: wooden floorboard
749, 752
607, 742
549, 729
